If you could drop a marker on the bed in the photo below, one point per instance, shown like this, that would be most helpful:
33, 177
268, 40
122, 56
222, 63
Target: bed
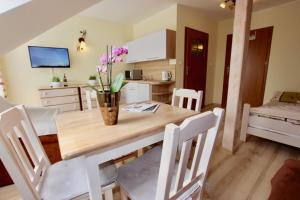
277, 120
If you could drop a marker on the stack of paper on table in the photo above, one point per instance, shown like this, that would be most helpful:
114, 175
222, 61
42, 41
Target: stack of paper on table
142, 107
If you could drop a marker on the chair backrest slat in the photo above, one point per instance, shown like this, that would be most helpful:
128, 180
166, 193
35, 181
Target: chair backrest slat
182, 166
197, 155
27, 158
90, 95
21, 153
188, 94
20, 132
181, 100
203, 127
189, 103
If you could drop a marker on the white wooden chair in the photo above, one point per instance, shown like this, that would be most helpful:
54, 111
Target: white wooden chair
189, 95
158, 176
90, 95
30, 169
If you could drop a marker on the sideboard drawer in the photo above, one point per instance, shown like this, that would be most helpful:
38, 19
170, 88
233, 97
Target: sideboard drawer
59, 100
58, 92
67, 107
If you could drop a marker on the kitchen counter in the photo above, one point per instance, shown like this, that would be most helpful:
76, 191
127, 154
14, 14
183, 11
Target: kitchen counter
152, 82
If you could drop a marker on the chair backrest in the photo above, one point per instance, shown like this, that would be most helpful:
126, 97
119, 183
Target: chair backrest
188, 94
90, 95
21, 152
203, 127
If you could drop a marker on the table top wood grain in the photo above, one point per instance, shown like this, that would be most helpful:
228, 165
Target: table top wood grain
83, 132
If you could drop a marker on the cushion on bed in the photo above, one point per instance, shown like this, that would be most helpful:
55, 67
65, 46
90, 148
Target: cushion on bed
286, 182
290, 97
276, 96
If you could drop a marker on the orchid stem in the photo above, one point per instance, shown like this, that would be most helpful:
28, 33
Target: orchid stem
107, 65
110, 70
101, 83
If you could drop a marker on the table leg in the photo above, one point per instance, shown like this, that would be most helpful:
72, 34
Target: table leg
93, 178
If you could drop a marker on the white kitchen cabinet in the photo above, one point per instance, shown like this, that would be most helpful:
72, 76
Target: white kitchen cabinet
135, 92
155, 46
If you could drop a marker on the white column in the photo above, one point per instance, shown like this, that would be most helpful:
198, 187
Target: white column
240, 41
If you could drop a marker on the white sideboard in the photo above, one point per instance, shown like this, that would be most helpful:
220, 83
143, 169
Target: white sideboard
155, 46
66, 99
73, 98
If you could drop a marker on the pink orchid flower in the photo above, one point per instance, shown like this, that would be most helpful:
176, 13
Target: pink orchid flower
103, 59
102, 68
125, 50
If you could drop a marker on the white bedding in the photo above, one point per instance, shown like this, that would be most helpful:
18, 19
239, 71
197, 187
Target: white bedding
279, 117
279, 110
281, 106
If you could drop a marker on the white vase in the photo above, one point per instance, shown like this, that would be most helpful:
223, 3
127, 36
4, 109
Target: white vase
92, 82
55, 84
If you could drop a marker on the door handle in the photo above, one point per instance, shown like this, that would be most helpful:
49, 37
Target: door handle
227, 69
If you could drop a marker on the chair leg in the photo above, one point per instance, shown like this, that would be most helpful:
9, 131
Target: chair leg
123, 194
140, 152
108, 194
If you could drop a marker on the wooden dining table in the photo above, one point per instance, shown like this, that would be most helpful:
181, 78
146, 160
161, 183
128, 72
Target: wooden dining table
83, 133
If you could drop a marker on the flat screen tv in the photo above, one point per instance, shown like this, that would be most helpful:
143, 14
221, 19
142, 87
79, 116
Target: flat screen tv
49, 57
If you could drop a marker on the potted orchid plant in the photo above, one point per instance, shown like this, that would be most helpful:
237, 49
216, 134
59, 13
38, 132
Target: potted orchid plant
108, 92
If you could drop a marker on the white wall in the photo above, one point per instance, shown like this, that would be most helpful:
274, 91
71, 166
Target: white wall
284, 67
192, 18
22, 81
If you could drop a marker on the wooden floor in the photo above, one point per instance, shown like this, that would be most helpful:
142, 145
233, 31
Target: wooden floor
245, 175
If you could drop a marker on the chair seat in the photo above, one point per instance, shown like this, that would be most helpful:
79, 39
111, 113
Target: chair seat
67, 179
139, 177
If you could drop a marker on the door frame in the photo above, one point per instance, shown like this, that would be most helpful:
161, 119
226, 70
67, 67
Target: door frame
185, 61
224, 103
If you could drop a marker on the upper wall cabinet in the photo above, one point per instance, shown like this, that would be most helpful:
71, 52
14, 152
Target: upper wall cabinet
155, 46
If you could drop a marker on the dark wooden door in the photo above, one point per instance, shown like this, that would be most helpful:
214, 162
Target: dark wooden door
195, 60
256, 66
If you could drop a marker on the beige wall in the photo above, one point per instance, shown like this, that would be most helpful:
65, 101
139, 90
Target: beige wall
284, 67
164, 19
23, 82
192, 18
1, 63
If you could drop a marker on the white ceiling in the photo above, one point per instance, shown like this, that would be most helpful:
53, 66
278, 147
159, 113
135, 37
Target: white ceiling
133, 11
6, 5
